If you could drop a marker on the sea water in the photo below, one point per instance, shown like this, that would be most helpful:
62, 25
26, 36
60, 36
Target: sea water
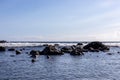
91, 66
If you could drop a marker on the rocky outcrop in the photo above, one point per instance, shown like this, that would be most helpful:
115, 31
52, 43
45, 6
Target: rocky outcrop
2, 48
76, 50
51, 50
96, 47
66, 49
34, 53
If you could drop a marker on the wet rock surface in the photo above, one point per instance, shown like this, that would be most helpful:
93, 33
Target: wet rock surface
51, 50
66, 49
96, 47
77, 50
34, 53
18, 52
2, 48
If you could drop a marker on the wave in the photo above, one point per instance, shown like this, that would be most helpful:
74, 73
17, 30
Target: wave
18, 44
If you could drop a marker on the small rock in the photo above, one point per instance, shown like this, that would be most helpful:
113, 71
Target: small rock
33, 60
118, 52
2, 48
109, 53
18, 52
21, 49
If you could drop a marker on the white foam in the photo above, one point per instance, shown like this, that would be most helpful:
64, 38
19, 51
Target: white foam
40, 44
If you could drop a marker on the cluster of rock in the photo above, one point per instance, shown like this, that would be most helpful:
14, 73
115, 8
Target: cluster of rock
78, 49
48, 50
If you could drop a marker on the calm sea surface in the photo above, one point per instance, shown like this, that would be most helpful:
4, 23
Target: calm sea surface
91, 66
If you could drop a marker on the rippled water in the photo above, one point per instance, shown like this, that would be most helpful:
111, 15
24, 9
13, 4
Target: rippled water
91, 66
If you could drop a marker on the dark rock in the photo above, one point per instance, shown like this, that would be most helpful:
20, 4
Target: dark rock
96, 46
21, 49
3, 41
45, 45
85, 50
79, 44
33, 60
2, 48
48, 57
18, 52
76, 51
110, 53
51, 50
34, 53
66, 49
118, 52
11, 49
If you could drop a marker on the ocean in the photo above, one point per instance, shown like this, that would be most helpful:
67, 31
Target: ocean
90, 66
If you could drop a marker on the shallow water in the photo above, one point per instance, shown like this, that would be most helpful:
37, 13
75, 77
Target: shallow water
91, 66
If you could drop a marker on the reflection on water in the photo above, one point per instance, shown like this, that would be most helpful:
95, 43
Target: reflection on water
91, 66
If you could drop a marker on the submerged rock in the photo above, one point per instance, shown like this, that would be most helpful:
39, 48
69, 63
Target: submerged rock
33, 60
2, 48
11, 49
21, 49
96, 47
51, 50
110, 53
12, 55
118, 52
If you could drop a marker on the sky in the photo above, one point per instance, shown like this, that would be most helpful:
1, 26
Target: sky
60, 20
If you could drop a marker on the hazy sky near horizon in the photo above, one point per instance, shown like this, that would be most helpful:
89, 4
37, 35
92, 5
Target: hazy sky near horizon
60, 20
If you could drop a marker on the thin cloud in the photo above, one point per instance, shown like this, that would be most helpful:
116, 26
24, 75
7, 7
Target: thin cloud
107, 3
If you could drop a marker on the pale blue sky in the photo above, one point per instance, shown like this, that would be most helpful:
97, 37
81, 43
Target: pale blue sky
60, 20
